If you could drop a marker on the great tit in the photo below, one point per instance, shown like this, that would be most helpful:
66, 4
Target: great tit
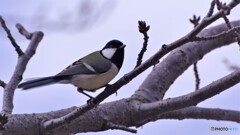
89, 73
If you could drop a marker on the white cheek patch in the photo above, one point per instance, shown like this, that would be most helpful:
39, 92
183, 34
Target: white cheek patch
109, 52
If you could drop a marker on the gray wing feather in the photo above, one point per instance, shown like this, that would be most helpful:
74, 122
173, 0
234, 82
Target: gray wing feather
79, 68
100, 66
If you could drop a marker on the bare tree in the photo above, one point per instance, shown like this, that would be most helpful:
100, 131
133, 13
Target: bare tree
147, 103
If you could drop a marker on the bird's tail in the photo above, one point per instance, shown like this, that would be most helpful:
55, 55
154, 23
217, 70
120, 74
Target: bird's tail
37, 82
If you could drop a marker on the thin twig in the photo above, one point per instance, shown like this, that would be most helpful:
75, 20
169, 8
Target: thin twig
143, 28
9, 35
2, 84
23, 31
196, 74
211, 9
8, 94
132, 74
226, 11
222, 6
195, 22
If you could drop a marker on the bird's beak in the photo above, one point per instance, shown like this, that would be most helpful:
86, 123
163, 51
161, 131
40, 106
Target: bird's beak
121, 47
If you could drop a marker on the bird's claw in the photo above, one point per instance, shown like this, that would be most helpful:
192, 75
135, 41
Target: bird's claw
90, 101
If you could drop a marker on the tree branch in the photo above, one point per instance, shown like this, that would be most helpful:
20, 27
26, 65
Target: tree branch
93, 120
23, 31
143, 28
217, 36
54, 123
169, 69
196, 74
9, 35
193, 98
201, 113
131, 75
2, 84
195, 22
162, 52
222, 6
96, 115
18, 72
211, 9
132, 113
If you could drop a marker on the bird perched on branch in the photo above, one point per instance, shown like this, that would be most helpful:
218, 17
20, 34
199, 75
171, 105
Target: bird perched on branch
89, 73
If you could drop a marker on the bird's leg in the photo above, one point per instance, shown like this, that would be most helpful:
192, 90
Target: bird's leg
81, 91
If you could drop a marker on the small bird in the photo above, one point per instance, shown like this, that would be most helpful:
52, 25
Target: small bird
89, 73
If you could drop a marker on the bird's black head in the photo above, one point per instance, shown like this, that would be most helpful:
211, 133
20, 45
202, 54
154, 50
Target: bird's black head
114, 51
114, 44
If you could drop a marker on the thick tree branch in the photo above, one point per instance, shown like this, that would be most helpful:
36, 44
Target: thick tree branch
216, 87
54, 123
18, 72
93, 120
14, 43
201, 113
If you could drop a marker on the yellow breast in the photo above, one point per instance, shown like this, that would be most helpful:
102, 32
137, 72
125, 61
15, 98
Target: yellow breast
93, 82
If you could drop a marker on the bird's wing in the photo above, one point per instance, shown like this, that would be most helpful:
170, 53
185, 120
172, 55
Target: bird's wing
87, 66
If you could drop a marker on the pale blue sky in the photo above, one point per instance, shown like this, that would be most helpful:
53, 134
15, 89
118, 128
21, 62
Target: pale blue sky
62, 46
